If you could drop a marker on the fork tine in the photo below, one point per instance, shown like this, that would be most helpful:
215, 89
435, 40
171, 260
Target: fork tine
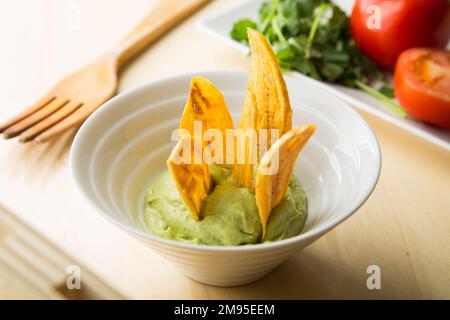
34, 118
38, 105
62, 113
73, 120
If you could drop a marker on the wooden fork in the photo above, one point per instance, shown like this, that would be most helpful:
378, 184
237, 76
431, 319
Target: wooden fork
75, 97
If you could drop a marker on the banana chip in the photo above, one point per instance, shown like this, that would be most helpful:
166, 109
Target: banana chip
191, 175
275, 170
266, 104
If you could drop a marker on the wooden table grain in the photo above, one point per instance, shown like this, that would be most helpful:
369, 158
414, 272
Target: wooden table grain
404, 228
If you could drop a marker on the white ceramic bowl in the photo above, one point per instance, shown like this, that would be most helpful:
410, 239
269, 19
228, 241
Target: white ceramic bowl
122, 148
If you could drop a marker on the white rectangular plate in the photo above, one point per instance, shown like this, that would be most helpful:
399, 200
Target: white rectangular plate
220, 26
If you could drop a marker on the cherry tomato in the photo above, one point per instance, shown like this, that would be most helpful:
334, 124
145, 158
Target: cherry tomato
422, 84
383, 29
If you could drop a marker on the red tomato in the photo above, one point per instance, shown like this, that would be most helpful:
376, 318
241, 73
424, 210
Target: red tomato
402, 24
422, 84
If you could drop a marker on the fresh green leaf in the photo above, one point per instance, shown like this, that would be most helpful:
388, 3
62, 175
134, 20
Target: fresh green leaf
332, 71
239, 31
337, 56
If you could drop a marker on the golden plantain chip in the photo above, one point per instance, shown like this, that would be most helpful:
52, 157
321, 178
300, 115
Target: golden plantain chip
275, 170
191, 175
266, 105
207, 106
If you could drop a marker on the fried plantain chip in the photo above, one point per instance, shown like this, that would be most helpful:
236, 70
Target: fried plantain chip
206, 104
266, 105
191, 175
275, 170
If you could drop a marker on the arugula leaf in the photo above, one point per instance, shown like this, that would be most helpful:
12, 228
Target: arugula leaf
314, 38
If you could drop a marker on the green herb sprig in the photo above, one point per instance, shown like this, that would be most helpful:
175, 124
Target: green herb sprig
314, 38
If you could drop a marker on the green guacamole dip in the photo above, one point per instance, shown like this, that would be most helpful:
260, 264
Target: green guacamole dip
230, 215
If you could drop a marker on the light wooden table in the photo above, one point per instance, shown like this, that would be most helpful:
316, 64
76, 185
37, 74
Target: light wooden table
404, 227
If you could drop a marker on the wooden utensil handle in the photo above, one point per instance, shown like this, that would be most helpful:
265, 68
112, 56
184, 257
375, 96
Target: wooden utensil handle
164, 15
